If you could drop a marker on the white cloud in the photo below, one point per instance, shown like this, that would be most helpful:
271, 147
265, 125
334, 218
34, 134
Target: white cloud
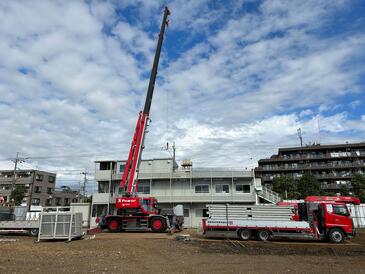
354, 104
305, 112
241, 86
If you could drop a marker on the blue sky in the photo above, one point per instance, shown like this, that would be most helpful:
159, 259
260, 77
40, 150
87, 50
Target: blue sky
236, 78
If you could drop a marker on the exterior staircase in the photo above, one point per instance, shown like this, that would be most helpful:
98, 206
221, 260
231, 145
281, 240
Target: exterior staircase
268, 195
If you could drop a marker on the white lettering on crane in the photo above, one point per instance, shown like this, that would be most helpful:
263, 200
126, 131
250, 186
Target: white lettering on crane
122, 200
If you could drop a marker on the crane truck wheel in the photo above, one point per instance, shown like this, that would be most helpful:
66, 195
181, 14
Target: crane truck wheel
158, 224
244, 234
263, 235
336, 236
114, 225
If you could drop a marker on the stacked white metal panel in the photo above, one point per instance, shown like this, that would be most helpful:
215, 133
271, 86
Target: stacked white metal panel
272, 216
358, 215
244, 212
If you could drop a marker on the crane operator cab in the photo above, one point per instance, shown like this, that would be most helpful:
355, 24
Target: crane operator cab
149, 205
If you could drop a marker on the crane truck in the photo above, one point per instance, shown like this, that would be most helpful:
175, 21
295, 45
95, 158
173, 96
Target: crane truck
318, 217
133, 212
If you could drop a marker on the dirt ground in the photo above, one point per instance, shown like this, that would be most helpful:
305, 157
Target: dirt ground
162, 253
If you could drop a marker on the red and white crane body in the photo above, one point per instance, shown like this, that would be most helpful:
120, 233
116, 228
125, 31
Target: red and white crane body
133, 212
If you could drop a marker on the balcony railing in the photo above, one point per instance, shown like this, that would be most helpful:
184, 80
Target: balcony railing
318, 176
101, 198
106, 175
103, 175
269, 195
333, 186
313, 166
304, 156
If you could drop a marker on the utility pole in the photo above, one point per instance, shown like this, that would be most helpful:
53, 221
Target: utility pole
16, 161
300, 137
173, 149
257, 200
173, 156
84, 185
319, 131
31, 192
14, 175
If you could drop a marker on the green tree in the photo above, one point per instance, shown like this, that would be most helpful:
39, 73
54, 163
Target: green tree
358, 186
286, 187
308, 185
344, 190
18, 194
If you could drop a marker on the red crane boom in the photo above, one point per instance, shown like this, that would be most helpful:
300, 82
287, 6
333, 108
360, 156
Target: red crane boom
130, 174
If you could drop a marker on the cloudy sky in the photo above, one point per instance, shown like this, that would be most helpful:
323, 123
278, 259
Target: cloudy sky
236, 79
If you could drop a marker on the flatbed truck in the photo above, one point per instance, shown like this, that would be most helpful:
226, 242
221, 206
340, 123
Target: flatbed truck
313, 219
26, 223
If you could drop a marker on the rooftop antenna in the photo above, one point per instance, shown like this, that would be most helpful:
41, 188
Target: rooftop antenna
300, 136
319, 130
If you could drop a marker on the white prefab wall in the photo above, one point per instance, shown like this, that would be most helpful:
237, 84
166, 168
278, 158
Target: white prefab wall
193, 214
83, 208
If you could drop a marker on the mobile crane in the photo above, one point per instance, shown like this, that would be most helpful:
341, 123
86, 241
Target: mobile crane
133, 212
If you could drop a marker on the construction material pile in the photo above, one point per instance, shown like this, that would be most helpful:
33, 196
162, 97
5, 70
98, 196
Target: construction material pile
244, 212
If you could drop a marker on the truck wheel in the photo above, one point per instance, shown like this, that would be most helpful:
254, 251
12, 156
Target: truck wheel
158, 225
336, 236
114, 225
33, 232
244, 234
263, 235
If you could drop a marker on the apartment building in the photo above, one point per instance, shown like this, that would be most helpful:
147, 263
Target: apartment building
191, 187
332, 165
40, 188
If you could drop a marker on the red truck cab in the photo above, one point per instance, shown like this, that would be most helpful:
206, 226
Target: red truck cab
328, 214
336, 215
335, 221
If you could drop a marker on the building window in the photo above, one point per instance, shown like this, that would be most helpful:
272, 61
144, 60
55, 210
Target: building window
202, 189
121, 168
36, 201
38, 189
99, 210
243, 188
49, 190
6, 187
39, 177
103, 187
74, 200
51, 179
49, 202
104, 166
221, 188
67, 201
58, 201
144, 189
186, 212
340, 210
